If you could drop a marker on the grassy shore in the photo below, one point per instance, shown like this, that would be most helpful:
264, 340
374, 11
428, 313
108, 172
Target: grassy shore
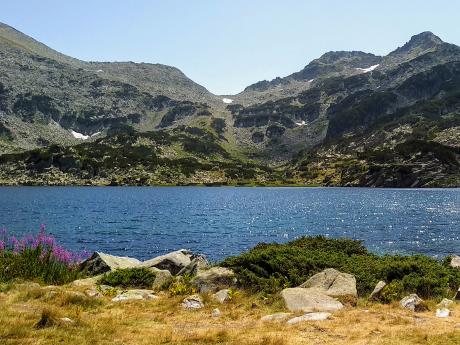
34, 312
163, 321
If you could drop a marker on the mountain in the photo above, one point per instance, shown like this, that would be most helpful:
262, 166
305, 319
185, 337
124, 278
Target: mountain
347, 118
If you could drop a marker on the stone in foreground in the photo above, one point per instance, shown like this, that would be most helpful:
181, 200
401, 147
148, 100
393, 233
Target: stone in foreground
275, 317
135, 294
213, 279
222, 296
333, 283
192, 302
215, 312
99, 263
413, 302
309, 300
445, 303
455, 261
309, 317
444, 312
375, 294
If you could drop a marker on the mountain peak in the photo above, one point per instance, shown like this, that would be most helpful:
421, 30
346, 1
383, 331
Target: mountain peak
419, 43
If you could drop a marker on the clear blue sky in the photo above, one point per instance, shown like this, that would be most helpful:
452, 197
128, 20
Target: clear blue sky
226, 45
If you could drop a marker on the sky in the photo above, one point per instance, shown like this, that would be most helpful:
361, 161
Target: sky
226, 45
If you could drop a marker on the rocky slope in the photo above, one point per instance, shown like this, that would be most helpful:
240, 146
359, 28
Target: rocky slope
347, 118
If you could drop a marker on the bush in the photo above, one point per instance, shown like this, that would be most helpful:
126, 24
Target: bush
36, 258
137, 277
272, 267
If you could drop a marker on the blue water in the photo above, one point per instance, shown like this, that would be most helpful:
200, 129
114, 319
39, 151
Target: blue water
144, 222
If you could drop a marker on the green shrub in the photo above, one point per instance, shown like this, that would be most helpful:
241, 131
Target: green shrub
138, 277
272, 267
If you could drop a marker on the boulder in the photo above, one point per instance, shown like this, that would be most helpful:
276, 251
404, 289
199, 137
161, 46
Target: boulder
443, 312
86, 282
174, 262
309, 317
333, 283
375, 294
445, 303
198, 263
135, 294
413, 302
93, 293
192, 302
222, 296
213, 279
162, 277
215, 312
275, 317
99, 263
309, 300
455, 261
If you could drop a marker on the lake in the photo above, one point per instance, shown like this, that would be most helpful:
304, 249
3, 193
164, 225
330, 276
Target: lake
146, 221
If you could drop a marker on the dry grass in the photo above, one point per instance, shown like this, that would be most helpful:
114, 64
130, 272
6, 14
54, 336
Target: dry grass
164, 322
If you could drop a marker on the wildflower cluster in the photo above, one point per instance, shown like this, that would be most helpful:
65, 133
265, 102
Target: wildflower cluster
36, 257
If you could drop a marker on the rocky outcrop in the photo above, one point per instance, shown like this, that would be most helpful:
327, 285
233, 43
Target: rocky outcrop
99, 263
198, 263
333, 283
213, 279
309, 300
414, 303
176, 261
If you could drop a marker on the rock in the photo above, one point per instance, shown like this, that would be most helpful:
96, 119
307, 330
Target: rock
174, 262
333, 283
222, 296
162, 277
105, 288
215, 312
375, 294
445, 303
275, 317
309, 317
135, 294
86, 282
309, 300
100, 263
213, 279
457, 295
66, 320
192, 302
198, 263
413, 302
444, 312
93, 293
455, 261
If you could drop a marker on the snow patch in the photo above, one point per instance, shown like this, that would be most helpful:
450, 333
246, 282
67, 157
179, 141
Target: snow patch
227, 100
99, 71
311, 80
368, 69
81, 136
303, 123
